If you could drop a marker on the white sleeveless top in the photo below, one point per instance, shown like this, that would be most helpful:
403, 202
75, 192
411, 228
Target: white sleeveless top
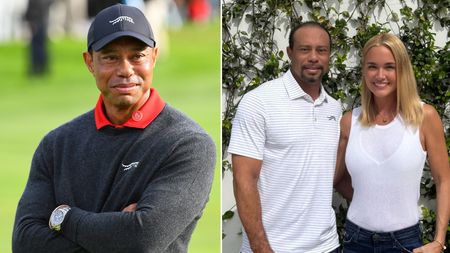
386, 164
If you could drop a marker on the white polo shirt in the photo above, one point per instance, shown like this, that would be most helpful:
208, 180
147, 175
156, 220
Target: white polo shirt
296, 138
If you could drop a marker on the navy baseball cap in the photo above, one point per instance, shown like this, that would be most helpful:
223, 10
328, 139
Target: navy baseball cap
117, 21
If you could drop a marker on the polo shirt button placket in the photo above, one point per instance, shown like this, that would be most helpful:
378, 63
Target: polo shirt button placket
314, 114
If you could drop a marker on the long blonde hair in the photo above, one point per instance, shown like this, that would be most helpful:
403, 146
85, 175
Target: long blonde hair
408, 102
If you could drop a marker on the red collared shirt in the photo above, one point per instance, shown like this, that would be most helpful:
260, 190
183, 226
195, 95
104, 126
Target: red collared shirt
139, 119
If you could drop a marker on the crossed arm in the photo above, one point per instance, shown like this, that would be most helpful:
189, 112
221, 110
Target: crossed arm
168, 208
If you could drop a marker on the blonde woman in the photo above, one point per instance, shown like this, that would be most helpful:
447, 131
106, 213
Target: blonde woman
382, 150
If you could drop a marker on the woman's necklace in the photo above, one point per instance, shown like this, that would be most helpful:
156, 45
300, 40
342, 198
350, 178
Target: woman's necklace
386, 118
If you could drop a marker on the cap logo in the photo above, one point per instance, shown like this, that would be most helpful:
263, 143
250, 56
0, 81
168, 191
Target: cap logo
120, 19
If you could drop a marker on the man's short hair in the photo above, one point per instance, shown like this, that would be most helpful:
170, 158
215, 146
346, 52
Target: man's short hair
305, 24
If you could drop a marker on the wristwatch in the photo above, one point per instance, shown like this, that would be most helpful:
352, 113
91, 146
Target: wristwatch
57, 217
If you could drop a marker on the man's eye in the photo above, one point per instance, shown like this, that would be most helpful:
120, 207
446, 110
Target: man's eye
109, 57
139, 56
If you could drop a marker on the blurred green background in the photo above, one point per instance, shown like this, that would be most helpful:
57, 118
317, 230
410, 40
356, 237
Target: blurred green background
188, 77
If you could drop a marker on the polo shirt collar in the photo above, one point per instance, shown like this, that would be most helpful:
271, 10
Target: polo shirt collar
140, 118
294, 90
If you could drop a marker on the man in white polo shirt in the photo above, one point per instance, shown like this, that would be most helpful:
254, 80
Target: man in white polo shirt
283, 145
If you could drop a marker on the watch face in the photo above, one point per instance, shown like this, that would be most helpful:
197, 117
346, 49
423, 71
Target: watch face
58, 217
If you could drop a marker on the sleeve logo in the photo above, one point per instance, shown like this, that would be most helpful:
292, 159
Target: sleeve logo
129, 166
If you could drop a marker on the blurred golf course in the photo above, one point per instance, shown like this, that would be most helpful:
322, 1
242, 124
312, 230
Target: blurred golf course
188, 77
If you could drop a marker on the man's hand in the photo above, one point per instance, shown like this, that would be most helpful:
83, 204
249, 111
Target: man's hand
262, 248
130, 208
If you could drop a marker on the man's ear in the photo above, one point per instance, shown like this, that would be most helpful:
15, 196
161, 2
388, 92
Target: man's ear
89, 61
289, 52
154, 55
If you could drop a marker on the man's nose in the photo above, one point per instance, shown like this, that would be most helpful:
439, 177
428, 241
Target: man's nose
312, 57
125, 68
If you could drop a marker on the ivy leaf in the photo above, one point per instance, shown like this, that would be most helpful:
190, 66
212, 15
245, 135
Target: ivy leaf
345, 14
394, 17
227, 215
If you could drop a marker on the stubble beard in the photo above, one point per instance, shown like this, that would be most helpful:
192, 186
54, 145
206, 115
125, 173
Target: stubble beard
311, 80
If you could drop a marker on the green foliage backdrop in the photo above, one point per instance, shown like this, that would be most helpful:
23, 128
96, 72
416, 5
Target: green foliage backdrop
251, 56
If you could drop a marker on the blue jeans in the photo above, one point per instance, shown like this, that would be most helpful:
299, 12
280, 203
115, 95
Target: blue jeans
358, 240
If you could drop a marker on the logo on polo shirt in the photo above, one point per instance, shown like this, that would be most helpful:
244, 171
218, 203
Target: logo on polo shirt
331, 118
130, 166
120, 19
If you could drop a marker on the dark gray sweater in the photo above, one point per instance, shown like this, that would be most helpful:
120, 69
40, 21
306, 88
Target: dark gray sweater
167, 168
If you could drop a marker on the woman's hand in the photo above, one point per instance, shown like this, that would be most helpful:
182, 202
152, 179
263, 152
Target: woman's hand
432, 247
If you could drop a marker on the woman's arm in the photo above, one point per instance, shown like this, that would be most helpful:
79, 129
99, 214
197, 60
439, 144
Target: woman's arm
433, 141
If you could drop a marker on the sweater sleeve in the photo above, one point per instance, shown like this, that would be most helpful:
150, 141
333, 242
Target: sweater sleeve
167, 211
31, 232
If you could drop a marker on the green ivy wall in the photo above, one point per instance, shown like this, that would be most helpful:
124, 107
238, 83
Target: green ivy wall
254, 36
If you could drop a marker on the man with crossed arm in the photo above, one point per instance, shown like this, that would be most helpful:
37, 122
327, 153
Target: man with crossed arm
132, 175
